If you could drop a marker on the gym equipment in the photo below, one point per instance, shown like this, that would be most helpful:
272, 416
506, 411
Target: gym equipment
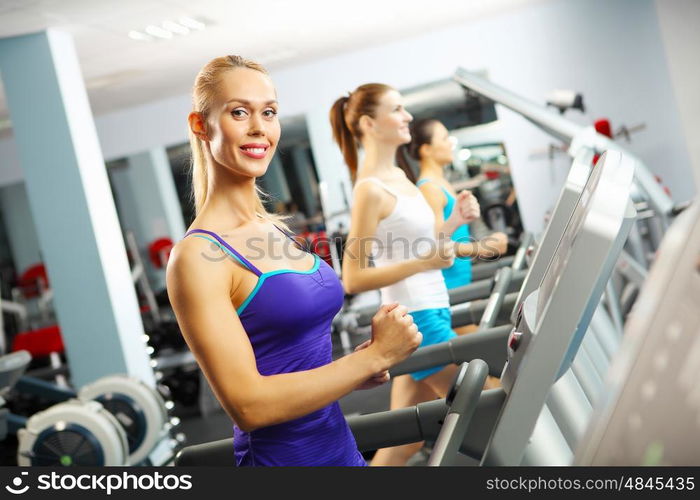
81, 430
549, 331
138, 276
215, 453
159, 252
462, 400
33, 284
491, 194
652, 411
19, 311
550, 328
564, 99
469, 303
12, 367
44, 344
175, 364
116, 420
140, 409
73, 433
647, 189
34, 294
623, 289
483, 270
77, 430
352, 319
487, 343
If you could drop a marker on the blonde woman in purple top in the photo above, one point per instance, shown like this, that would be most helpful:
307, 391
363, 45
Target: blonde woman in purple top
259, 322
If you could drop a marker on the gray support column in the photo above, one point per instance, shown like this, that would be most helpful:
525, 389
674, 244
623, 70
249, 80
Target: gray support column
334, 179
73, 208
148, 204
21, 231
302, 169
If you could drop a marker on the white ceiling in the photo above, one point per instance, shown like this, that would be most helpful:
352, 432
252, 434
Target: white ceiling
121, 72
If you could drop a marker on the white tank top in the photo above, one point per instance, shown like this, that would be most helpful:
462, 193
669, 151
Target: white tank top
407, 232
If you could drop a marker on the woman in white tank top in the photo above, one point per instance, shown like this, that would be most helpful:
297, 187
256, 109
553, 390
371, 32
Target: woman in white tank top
392, 223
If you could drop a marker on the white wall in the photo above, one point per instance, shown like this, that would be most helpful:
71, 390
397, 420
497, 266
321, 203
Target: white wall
612, 52
678, 20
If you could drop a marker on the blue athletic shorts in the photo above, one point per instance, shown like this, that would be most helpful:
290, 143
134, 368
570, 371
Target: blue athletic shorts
436, 327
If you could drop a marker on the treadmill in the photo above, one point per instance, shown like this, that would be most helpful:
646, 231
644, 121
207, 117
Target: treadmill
487, 344
652, 413
551, 323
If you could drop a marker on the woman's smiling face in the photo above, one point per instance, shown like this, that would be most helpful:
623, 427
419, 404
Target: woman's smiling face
390, 124
242, 126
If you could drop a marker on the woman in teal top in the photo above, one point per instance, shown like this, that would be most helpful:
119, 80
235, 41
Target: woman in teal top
460, 273
431, 146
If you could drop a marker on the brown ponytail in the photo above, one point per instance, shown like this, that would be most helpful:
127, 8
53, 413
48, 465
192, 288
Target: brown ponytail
345, 119
343, 136
405, 165
421, 133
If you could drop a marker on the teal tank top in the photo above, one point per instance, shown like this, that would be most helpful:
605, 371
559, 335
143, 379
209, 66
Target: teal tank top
460, 273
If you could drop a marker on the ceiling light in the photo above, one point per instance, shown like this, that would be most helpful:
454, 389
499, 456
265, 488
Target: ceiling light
168, 28
159, 32
176, 28
191, 23
137, 35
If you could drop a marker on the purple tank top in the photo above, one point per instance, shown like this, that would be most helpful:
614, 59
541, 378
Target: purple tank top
288, 319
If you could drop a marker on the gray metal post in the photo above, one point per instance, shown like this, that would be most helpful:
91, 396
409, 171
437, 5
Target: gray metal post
73, 209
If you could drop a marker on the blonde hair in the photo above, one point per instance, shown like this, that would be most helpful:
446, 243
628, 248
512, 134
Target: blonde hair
205, 88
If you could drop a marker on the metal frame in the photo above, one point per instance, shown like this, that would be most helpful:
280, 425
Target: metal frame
577, 137
554, 319
652, 412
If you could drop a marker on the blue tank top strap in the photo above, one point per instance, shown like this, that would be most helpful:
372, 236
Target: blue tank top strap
447, 193
450, 199
228, 247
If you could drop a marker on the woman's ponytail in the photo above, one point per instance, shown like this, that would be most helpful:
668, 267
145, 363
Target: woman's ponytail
345, 119
343, 135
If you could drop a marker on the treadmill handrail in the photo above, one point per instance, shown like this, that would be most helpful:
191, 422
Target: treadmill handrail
576, 136
459, 416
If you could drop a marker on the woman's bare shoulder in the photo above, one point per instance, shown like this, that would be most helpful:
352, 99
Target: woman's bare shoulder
198, 258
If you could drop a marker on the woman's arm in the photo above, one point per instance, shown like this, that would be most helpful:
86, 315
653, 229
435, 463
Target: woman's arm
487, 248
465, 210
437, 201
358, 276
199, 290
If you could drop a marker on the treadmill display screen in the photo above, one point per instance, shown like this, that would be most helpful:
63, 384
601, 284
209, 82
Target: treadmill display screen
561, 255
